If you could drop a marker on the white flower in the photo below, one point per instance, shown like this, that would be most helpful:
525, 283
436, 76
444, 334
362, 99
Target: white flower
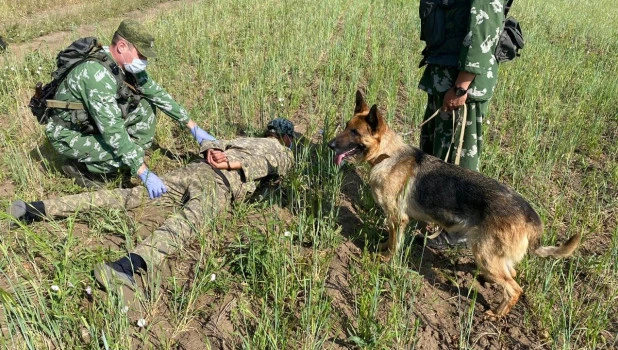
281, 99
124, 309
287, 234
213, 277
141, 323
88, 290
55, 288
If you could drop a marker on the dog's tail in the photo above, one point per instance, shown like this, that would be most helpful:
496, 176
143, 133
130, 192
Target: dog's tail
561, 251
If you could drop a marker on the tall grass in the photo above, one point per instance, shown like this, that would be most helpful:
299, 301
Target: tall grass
238, 64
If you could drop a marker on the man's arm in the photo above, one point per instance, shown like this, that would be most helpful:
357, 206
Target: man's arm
477, 54
164, 101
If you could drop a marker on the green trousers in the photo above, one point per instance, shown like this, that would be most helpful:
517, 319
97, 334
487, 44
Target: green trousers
438, 137
98, 157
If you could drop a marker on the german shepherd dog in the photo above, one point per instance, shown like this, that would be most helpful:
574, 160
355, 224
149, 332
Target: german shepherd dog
408, 183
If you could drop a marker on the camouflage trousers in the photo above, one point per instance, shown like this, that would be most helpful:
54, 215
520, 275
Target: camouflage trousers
438, 137
140, 125
196, 192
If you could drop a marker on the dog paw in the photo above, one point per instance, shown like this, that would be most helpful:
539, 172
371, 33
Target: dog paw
384, 246
386, 256
491, 316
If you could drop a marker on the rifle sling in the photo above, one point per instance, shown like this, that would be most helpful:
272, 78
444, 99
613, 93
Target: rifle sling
64, 104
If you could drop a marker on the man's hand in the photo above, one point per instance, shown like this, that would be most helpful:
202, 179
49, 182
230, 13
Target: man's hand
200, 135
452, 101
215, 156
218, 159
156, 187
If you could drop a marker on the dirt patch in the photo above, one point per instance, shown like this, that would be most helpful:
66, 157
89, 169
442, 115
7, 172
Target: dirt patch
54, 42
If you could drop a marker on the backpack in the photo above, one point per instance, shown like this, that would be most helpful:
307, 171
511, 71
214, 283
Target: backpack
79, 51
511, 38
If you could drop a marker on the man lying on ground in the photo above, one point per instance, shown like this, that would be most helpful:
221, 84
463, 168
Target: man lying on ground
229, 171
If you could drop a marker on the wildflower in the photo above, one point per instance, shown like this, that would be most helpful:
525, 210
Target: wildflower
55, 288
281, 99
88, 290
124, 309
213, 277
287, 234
141, 323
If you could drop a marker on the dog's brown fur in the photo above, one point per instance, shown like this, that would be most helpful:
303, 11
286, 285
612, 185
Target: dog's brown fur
407, 183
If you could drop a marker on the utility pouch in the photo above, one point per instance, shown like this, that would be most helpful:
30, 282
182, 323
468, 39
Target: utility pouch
38, 103
510, 42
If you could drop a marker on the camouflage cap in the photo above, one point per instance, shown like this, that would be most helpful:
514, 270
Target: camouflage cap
281, 126
137, 35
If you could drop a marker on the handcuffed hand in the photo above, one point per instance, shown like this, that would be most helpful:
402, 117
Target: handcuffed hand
217, 159
200, 135
156, 187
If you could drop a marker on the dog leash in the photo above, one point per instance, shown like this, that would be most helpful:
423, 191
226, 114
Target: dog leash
461, 135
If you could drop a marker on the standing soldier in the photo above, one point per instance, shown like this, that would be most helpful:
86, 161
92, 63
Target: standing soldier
116, 119
460, 76
229, 172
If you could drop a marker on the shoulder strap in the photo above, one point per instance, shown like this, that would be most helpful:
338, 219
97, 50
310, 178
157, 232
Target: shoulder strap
507, 7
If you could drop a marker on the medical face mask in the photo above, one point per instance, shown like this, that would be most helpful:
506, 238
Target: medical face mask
136, 66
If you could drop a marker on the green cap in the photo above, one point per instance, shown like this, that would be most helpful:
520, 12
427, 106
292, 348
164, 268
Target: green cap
137, 35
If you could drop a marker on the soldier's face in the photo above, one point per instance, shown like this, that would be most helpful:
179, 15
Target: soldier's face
129, 52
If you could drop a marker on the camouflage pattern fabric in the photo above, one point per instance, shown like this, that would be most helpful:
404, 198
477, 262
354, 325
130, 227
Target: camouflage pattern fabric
119, 142
477, 57
198, 192
437, 134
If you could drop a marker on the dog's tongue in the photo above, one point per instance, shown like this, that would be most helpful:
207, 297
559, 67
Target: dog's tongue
339, 158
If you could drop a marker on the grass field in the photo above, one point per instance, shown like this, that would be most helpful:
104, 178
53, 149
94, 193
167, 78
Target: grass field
295, 267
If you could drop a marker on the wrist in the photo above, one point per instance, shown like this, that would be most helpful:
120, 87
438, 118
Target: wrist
460, 90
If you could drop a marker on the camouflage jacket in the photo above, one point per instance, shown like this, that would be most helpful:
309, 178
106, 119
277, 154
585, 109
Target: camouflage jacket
476, 55
260, 157
95, 87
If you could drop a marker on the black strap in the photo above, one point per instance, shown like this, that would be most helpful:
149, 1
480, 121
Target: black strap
224, 179
507, 7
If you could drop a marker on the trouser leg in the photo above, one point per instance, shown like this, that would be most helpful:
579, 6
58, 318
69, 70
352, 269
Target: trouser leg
96, 154
207, 198
437, 136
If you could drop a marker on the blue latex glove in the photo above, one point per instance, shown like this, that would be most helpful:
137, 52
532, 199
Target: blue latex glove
155, 186
201, 135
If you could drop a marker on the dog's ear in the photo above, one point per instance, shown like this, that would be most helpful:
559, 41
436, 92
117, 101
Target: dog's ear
374, 119
361, 105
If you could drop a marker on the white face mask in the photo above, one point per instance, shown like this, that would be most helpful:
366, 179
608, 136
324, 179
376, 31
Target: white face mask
136, 66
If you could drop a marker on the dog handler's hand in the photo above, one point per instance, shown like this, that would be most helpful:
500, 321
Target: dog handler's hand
452, 102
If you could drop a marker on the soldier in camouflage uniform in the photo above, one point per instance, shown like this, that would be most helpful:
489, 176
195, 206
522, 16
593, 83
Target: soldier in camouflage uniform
461, 69
117, 134
201, 191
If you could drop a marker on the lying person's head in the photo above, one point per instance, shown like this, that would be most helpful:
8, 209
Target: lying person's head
282, 129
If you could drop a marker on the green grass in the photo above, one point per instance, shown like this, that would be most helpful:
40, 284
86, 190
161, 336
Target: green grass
237, 64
